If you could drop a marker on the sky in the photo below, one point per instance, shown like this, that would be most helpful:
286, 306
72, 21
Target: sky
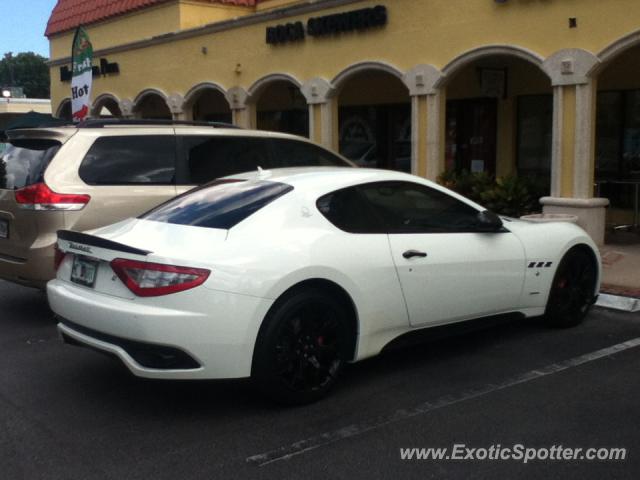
23, 24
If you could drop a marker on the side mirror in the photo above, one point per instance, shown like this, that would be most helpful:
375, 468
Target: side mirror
488, 222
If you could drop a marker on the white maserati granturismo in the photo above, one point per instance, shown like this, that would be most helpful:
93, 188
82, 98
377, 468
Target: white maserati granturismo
285, 276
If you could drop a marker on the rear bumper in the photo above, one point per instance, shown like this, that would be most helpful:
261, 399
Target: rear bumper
34, 271
148, 355
200, 334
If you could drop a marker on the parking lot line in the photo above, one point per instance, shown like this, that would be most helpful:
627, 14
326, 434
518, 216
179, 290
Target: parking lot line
297, 448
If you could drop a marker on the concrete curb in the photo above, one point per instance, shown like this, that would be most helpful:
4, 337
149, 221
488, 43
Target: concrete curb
616, 302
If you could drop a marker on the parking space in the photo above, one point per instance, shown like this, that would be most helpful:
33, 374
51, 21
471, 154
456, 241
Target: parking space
72, 413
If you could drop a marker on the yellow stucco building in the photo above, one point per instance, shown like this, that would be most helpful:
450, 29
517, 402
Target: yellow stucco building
546, 88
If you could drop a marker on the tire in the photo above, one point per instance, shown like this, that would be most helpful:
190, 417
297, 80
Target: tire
572, 290
301, 348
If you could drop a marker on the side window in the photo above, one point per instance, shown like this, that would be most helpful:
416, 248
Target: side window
130, 160
211, 157
348, 210
407, 207
293, 153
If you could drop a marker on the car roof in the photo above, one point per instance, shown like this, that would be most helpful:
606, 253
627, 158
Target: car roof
67, 131
319, 180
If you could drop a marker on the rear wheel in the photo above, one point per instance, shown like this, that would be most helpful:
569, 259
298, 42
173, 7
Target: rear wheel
302, 348
572, 290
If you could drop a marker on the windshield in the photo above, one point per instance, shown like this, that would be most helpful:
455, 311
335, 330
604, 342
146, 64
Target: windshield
23, 162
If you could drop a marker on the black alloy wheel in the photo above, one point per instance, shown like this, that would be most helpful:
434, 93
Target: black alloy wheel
572, 290
301, 350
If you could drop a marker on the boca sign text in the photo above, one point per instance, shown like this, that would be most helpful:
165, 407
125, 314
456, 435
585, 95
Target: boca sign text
356, 20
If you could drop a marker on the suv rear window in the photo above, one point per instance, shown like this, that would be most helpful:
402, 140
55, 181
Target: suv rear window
23, 162
222, 204
130, 160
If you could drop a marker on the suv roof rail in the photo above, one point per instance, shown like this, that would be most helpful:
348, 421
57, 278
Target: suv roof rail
107, 122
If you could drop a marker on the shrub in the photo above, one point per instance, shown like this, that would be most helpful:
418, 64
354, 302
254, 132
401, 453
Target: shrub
509, 195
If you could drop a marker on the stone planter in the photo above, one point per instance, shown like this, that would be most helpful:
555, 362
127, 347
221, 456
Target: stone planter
550, 217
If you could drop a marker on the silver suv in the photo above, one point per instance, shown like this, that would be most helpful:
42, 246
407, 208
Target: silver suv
99, 172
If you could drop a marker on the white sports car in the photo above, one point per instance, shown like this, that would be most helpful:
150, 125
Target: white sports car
286, 275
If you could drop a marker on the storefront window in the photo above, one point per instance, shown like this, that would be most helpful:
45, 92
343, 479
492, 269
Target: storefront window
534, 135
377, 136
281, 107
609, 129
618, 135
618, 146
471, 135
631, 138
295, 122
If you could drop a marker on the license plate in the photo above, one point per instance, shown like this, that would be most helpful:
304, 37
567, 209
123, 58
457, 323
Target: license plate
4, 229
84, 271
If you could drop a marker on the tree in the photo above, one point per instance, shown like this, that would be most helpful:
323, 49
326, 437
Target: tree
27, 70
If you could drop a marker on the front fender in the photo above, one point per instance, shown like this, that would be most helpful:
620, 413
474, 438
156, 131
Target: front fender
545, 245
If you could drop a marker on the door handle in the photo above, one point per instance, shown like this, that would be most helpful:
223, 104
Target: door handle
413, 253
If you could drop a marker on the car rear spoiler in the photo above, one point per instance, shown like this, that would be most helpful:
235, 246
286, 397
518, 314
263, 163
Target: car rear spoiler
61, 134
94, 241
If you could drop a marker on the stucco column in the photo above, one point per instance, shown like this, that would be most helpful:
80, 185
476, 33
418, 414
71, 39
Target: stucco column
242, 112
573, 145
319, 94
427, 159
330, 125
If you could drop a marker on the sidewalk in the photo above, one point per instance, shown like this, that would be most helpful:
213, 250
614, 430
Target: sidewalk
621, 267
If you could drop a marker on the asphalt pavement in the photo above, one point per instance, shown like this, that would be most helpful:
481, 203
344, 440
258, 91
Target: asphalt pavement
71, 413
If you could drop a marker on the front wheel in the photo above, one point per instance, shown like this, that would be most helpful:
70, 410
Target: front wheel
572, 290
302, 348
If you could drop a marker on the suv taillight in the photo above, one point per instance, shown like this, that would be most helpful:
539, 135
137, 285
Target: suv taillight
155, 279
40, 197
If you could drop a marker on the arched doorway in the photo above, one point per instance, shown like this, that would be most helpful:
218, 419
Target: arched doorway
617, 159
280, 106
64, 110
207, 103
374, 117
106, 106
152, 105
499, 115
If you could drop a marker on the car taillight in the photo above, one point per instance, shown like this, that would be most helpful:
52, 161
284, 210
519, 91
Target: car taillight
147, 279
40, 197
58, 257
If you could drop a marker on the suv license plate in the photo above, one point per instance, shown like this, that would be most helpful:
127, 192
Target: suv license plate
4, 229
84, 271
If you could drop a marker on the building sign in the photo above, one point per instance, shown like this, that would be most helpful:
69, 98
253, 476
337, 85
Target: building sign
356, 20
82, 58
105, 68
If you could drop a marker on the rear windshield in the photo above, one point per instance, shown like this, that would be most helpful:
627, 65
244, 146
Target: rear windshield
221, 204
23, 162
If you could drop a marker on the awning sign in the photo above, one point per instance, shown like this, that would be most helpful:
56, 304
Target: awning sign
82, 55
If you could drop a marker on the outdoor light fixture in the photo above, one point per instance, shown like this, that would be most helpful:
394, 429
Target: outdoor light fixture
6, 93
